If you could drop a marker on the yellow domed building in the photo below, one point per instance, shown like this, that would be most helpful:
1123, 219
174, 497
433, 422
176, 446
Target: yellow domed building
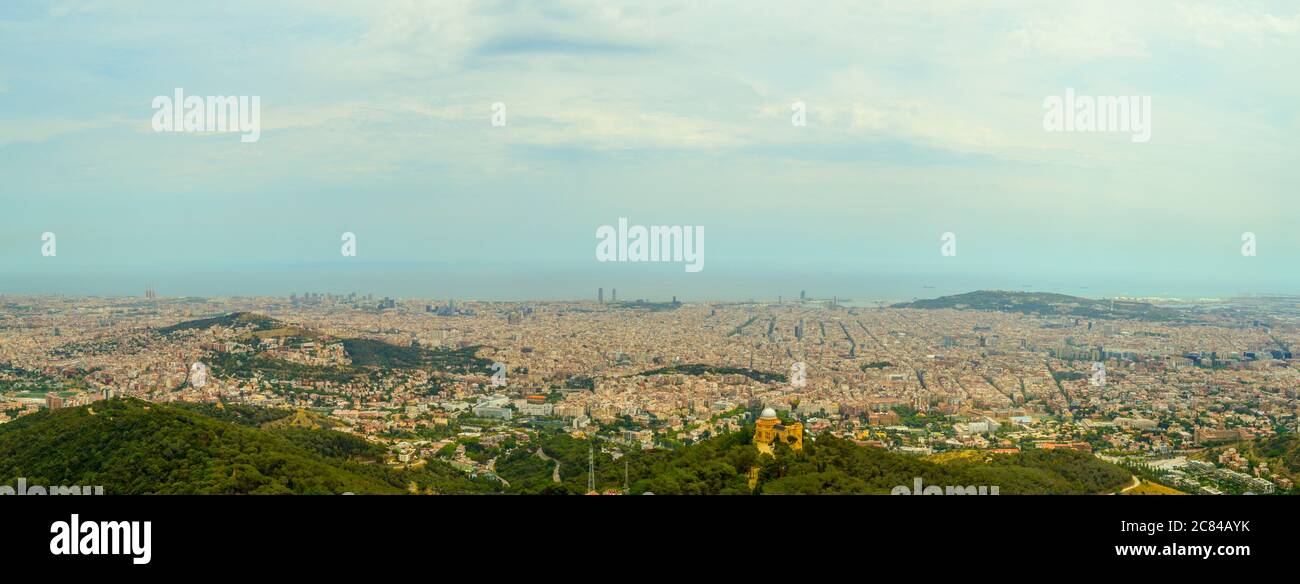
769, 429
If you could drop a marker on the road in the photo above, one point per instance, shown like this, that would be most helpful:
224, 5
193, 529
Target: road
555, 473
1135, 485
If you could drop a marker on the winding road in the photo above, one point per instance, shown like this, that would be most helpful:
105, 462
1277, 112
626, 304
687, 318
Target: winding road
555, 473
1136, 484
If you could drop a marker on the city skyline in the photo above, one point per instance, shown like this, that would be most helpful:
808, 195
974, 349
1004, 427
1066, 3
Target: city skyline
257, 254
1167, 398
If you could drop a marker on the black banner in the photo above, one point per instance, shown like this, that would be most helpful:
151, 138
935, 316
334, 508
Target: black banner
329, 535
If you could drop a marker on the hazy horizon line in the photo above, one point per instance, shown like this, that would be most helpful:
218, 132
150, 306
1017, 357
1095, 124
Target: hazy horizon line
652, 300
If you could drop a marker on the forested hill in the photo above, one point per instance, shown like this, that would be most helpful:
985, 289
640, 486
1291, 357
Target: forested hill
234, 320
372, 353
828, 465
134, 447
1047, 304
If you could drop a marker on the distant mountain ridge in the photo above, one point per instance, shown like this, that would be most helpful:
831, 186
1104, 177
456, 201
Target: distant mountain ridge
1046, 304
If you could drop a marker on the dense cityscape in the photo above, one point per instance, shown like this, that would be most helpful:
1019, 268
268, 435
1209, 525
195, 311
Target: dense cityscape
1196, 397
359, 286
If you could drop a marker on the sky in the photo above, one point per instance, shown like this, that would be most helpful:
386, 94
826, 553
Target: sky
922, 118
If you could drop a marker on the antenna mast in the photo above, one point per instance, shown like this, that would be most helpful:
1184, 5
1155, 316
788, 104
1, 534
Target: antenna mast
591, 468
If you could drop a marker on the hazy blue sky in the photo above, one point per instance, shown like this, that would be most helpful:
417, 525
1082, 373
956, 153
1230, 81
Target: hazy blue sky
923, 118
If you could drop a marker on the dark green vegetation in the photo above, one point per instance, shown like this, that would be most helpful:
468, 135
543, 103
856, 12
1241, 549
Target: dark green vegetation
1283, 448
14, 378
1282, 452
829, 465
9, 369
914, 419
249, 365
833, 465
370, 352
741, 328
1067, 375
251, 416
133, 447
1046, 304
233, 320
366, 355
650, 306
581, 382
701, 369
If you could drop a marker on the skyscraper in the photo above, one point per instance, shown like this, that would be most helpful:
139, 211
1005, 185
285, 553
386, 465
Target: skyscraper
600, 295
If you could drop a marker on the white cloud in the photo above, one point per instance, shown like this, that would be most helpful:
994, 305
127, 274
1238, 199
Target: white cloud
1068, 39
963, 76
1218, 25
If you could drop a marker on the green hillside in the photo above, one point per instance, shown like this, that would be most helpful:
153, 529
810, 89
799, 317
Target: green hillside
829, 465
1046, 304
1281, 452
264, 365
133, 447
375, 353
233, 320
701, 369
366, 354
